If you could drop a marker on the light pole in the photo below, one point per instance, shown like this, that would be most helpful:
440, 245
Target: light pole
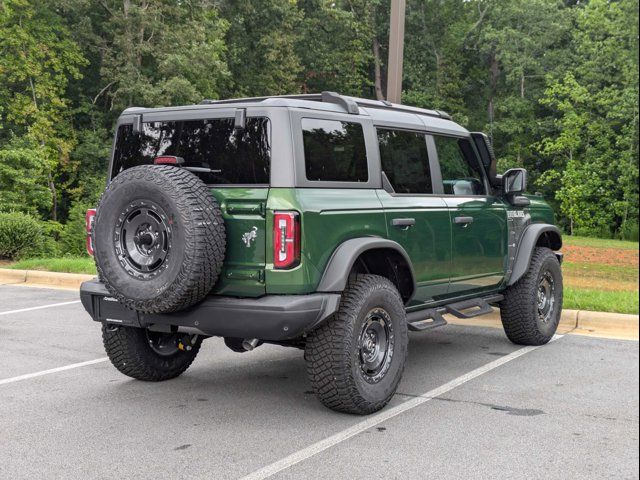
396, 48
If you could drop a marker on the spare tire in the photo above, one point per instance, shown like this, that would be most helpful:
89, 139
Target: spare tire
159, 238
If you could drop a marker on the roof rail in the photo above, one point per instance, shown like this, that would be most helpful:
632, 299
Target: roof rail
311, 96
350, 104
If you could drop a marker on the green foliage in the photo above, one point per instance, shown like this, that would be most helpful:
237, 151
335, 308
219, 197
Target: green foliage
20, 236
84, 265
38, 59
601, 301
74, 234
555, 84
23, 185
630, 231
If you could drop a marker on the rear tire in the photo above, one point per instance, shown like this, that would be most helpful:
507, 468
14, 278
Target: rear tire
346, 363
532, 307
149, 356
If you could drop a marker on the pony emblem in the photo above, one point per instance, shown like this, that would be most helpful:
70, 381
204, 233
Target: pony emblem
248, 237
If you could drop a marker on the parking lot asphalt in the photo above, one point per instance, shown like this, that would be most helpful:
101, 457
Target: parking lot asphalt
471, 405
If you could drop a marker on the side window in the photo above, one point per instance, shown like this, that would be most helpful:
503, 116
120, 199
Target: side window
405, 160
461, 173
334, 151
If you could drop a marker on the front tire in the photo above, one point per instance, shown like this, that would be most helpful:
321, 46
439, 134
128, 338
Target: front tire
355, 360
149, 356
532, 307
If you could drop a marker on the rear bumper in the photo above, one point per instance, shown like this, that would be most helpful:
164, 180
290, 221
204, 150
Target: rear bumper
272, 317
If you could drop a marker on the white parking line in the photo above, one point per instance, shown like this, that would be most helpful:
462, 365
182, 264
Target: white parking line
39, 308
384, 415
52, 370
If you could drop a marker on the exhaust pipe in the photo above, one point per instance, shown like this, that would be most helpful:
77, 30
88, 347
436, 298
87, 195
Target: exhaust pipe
250, 343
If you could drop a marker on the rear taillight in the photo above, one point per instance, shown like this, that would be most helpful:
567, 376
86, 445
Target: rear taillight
88, 220
286, 239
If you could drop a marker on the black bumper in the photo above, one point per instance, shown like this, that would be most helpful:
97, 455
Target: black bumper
272, 317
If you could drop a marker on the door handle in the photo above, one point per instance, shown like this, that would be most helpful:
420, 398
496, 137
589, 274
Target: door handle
464, 221
403, 222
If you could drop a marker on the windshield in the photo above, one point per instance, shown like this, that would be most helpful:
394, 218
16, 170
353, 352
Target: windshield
234, 156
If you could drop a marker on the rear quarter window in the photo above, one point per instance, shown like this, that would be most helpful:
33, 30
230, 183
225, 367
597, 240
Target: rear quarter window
334, 151
240, 157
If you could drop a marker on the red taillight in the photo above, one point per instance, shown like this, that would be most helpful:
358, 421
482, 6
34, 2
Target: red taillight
168, 160
286, 239
88, 221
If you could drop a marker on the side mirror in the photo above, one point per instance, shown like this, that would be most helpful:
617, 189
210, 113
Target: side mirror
514, 181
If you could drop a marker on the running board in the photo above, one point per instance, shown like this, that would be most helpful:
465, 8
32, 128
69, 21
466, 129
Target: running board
473, 307
425, 319
421, 320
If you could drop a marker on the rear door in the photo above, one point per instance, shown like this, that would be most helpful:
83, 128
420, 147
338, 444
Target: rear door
478, 219
416, 218
234, 162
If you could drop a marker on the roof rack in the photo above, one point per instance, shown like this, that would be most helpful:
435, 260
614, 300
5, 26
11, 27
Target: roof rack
350, 104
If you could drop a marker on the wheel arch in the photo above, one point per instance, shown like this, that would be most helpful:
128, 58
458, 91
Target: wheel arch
373, 255
536, 235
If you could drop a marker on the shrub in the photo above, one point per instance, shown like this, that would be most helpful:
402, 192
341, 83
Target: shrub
629, 231
21, 236
73, 236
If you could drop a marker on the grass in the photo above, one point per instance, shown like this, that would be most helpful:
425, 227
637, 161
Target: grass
600, 300
608, 286
63, 264
588, 286
598, 242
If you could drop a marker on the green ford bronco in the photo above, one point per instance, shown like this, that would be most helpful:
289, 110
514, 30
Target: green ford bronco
323, 222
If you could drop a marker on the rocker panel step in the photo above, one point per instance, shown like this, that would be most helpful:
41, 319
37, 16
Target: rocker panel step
425, 319
473, 307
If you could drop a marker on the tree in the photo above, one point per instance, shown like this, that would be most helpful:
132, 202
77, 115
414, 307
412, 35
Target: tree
262, 37
37, 59
594, 145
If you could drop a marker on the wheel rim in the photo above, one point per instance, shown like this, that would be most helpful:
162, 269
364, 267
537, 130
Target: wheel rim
546, 296
143, 239
375, 345
168, 344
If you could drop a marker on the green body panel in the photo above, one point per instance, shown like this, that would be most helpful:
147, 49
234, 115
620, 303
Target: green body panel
244, 212
329, 217
428, 242
448, 260
479, 249
540, 210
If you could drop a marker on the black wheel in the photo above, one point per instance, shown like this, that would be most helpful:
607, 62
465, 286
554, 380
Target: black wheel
532, 307
159, 239
150, 356
355, 360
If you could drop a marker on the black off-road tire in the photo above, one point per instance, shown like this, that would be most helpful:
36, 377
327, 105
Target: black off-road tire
334, 361
521, 319
129, 351
194, 238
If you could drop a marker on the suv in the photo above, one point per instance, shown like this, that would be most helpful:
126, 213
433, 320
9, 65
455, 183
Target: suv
323, 222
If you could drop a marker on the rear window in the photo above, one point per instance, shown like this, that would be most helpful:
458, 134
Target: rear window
234, 156
334, 151
405, 161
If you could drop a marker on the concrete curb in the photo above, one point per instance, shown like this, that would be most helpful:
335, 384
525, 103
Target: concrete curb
576, 322
579, 322
37, 278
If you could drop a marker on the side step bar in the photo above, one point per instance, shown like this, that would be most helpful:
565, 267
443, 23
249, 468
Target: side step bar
421, 320
426, 319
473, 307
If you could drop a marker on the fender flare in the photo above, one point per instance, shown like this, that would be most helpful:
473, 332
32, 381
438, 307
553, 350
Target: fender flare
528, 242
336, 273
